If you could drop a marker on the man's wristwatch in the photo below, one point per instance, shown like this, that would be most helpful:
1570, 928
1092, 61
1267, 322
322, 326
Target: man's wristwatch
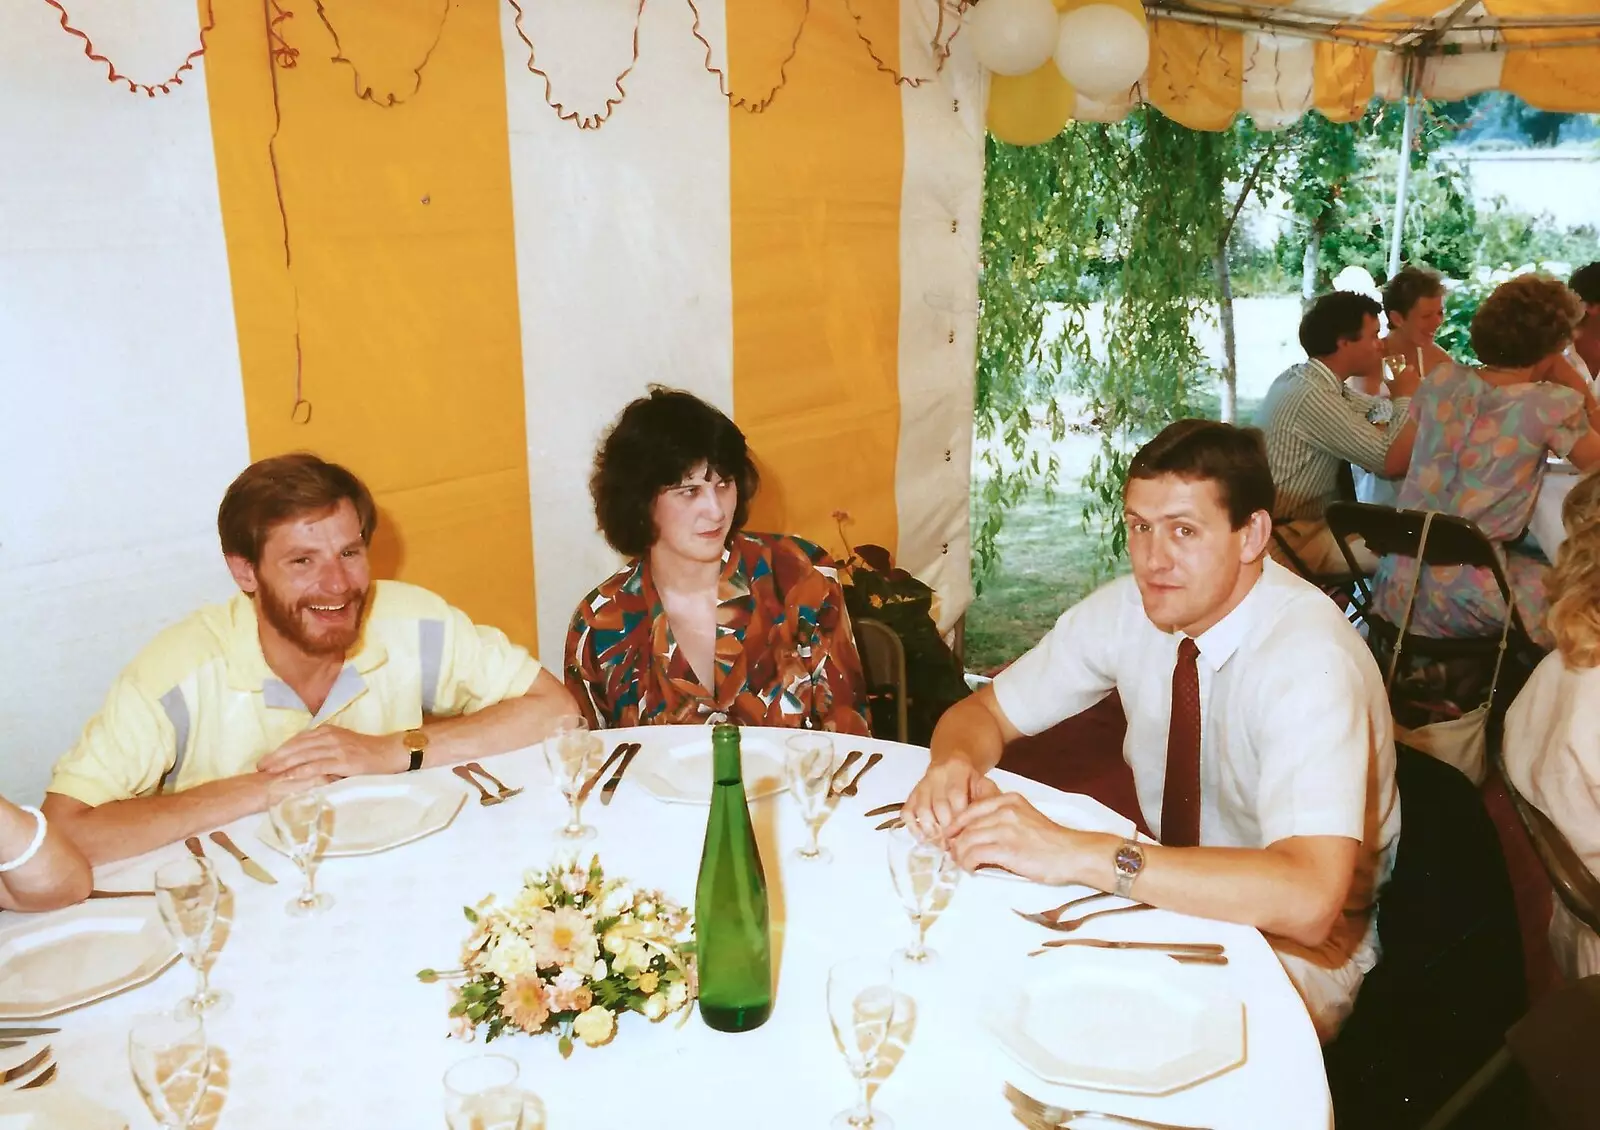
1129, 862
416, 741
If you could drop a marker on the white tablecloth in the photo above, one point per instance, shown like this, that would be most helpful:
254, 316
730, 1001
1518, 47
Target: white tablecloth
330, 1030
1545, 525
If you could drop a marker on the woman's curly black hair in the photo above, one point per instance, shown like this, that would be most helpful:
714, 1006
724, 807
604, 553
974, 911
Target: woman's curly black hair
656, 441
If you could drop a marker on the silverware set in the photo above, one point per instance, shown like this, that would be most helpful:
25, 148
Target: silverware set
485, 797
35, 1071
1038, 1115
609, 789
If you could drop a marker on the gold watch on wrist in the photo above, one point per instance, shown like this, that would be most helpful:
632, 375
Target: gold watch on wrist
416, 741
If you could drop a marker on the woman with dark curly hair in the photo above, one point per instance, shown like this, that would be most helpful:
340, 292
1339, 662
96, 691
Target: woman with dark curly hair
706, 622
1483, 436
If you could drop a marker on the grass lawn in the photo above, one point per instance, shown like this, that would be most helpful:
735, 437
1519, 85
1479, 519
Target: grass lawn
1047, 563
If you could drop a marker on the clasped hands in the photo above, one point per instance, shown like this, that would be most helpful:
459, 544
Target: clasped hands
324, 754
979, 825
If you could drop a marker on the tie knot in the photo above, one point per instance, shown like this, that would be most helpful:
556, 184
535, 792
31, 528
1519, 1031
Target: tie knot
1187, 650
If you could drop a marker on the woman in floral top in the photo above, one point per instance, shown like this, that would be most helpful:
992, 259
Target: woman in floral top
706, 622
1482, 439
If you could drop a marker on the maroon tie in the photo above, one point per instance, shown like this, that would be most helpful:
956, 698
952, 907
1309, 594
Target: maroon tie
1180, 797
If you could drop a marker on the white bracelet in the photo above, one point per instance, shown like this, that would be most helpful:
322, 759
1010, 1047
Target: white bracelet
33, 848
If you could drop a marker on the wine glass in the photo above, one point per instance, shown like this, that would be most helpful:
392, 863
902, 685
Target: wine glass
171, 1064
187, 895
925, 876
481, 1093
808, 770
303, 819
573, 753
861, 1004
1395, 365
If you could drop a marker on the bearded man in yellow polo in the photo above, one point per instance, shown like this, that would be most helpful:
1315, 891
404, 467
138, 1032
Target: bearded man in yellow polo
312, 672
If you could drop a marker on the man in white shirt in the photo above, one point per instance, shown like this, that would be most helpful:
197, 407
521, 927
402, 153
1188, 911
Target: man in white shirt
1258, 730
1313, 424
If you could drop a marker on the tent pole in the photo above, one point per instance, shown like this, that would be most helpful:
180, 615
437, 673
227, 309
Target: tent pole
1408, 131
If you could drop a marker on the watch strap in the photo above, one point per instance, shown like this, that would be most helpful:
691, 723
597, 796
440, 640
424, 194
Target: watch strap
416, 761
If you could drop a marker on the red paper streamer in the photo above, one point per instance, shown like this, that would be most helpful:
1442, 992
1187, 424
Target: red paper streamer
741, 103
363, 91
115, 76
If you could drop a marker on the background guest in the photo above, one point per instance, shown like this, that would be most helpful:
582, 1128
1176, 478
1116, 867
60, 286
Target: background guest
1552, 736
1483, 435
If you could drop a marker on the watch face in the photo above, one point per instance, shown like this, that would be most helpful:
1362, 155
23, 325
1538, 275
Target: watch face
1129, 860
416, 739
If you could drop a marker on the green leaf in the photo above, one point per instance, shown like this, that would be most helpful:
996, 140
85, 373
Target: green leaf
564, 1045
427, 976
472, 915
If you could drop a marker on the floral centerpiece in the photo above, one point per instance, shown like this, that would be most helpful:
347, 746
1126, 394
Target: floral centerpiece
569, 954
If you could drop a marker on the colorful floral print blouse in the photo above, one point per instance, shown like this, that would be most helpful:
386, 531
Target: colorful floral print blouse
784, 652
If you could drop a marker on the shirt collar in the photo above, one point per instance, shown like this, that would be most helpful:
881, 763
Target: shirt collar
1218, 642
247, 666
1317, 368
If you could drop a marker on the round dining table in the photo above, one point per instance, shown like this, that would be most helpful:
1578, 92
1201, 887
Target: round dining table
330, 1029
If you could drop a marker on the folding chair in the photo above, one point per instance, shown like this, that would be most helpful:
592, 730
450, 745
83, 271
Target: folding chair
1342, 586
1451, 541
883, 658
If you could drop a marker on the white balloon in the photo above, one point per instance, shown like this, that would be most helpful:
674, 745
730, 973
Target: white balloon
1012, 37
1102, 49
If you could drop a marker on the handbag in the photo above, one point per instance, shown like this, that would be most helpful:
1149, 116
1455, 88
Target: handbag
1460, 742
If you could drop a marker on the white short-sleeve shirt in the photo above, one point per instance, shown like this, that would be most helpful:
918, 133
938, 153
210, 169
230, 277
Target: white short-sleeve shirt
1296, 737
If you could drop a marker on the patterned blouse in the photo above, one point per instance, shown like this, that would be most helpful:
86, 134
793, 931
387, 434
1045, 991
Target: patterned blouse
1480, 455
784, 653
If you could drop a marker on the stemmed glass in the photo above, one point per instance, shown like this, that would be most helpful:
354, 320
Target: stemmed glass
861, 1004
303, 820
925, 876
171, 1064
573, 753
481, 1093
187, 895
808, 770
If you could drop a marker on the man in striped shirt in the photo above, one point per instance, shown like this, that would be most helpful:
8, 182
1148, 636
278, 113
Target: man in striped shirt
1313, 423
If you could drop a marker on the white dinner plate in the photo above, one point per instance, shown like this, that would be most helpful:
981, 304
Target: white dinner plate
54, 1108
1073, 810
1121, 1020
681, 774
50, 963
373, 814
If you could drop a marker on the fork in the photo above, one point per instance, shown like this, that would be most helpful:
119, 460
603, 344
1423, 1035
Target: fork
1073, 924
505, 793
1042, 1116
1045, 917
837, 778
485, 798
28, 1067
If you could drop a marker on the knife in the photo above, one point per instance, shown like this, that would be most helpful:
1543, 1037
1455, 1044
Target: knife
588, 786
195, 847
1174, 947
610, 786
251, 868
12, 1033
885, 809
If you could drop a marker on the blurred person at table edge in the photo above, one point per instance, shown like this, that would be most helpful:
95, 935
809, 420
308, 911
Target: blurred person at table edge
1552, 736
706, 621
40, 869
312, 672
1258, 731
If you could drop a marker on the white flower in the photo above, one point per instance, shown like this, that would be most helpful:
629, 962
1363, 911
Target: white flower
616, 900
645, 909
510, 956
636, 956
599, 972
615, 942
655, 1006
677, 994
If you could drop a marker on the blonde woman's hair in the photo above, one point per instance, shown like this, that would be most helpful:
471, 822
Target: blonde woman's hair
1574, 583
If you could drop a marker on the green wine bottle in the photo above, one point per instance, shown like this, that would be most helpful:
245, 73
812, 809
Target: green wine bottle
733, 939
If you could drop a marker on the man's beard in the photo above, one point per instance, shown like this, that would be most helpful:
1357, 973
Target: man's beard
288, 620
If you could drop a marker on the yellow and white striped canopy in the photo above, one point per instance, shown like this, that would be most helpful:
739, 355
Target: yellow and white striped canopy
1209, 61
379, 231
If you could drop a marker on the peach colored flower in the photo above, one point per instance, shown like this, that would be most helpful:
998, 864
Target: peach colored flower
568, 993
564, 936
524, 1003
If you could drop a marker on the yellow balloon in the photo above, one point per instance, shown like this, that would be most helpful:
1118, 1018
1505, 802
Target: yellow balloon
1029, 109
